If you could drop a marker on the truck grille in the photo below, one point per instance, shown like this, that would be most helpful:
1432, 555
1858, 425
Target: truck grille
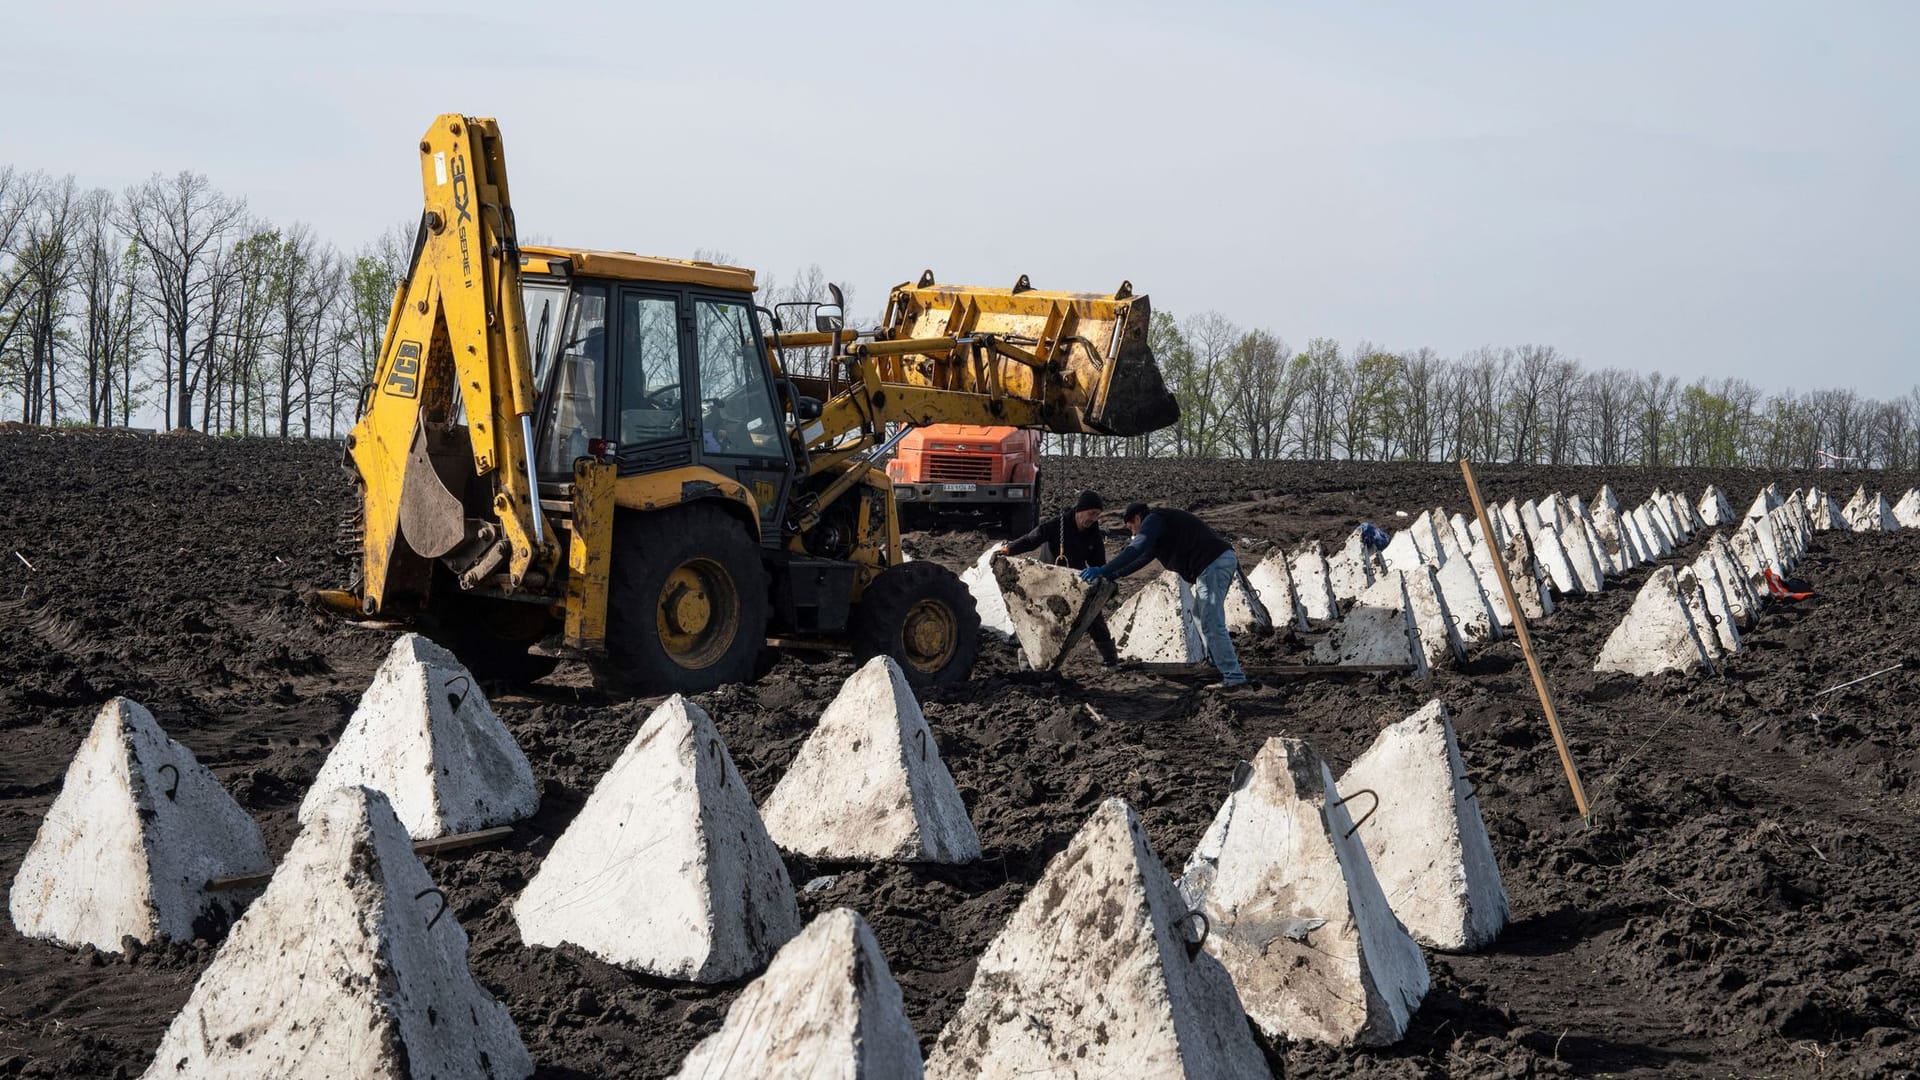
959, 468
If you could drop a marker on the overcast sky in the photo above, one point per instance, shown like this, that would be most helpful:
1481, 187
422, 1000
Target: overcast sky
1702, 188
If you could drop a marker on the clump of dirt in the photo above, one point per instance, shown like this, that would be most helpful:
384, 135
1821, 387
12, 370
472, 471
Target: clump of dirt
1743, 902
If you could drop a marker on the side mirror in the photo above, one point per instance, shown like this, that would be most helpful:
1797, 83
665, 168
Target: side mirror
807, 408
831, 318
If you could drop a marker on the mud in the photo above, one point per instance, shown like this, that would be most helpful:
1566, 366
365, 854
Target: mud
1745, 901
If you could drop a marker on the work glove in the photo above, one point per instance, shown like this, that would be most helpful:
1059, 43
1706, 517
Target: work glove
1093, 573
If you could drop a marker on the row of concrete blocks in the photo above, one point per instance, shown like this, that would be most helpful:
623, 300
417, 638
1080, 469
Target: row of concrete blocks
670, 869
1690, 618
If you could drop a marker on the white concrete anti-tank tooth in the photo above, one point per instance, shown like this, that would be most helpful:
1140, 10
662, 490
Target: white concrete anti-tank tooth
1764, 503
1826, 517
1274, 584
869, 784
1531, 517
1402, 555
1481, 558
1295, 911
1351, 569
1313, 583
1618, 551
1426, 537
1094, 976
1157, 625
1553, 557
1427, 842
1583, 554
1725, 619
1510, 515
1466, 601
1605, 497
1740, 591
985, 587
1041, 601
668, 868
1378, 629
1694, 596
1657, 635
827, 1006
1907, 510
1662, 530
1247, 611
129, 844
1439, 634
1715, 510
1528, 578
425, 734
378, 986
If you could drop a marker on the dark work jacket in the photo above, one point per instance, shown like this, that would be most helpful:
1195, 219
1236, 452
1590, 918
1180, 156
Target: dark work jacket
1080, 548
1183, 543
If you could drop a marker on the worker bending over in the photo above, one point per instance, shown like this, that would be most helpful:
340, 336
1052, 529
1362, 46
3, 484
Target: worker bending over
1185, 545
1078, 543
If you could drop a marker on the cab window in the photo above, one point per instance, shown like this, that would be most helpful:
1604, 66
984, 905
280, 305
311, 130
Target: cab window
650, 409
573, 405
736, 394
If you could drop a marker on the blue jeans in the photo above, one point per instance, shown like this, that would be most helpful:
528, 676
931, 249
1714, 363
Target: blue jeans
1210, 607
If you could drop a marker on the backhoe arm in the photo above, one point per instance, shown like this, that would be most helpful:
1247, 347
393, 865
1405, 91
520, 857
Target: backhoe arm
453, 396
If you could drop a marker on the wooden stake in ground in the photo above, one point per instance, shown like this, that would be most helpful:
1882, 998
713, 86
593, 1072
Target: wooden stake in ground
1526, 643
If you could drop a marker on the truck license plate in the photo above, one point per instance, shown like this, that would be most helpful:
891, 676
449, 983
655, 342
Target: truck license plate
956, 487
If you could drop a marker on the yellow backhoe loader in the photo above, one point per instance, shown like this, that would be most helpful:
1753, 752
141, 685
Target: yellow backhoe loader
573, 452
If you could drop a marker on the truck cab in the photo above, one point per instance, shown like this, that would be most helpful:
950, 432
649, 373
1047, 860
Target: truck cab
989, 472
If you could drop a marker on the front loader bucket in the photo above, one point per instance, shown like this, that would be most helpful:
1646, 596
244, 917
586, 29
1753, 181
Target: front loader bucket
1084, 358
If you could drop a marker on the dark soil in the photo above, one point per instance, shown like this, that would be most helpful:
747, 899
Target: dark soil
1745, 901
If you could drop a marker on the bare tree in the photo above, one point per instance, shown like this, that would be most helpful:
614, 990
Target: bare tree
47, 260
180, 224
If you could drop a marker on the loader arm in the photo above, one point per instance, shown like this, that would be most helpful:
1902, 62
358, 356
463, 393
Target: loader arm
443, 447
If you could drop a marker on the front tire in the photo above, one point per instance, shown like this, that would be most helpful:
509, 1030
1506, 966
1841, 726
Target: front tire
686, 602
921, 615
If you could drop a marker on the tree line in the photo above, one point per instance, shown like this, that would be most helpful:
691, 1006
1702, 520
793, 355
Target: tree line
1247, 394
170, 297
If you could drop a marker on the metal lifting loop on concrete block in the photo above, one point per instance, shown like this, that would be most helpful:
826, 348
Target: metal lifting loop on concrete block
921, 735
1365, 816
423, 893
175, 789
453, 700
1471, 789
1206, 928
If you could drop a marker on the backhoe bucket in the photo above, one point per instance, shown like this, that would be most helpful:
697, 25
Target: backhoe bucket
1083, 356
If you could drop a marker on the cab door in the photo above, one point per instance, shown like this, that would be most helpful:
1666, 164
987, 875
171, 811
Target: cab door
737, 429
652, 418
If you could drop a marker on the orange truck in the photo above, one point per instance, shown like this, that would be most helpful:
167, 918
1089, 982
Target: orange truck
991, 473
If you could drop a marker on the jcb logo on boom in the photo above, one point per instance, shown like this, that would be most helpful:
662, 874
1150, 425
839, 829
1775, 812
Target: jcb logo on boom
404, 379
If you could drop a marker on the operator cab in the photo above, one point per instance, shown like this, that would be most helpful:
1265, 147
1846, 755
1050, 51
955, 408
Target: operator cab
653, 364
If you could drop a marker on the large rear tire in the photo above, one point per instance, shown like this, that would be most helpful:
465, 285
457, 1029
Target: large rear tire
921, 615
686, 602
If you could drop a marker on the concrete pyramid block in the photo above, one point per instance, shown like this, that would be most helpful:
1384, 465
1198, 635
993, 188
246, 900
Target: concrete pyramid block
1467, 604
1313, 583
1463, 531
1745, 544
426, 735
668, 868
1553, 557
1725, 621
1825, 515
1531, 517
1631, 531
1768, 544
1402, 554
1042, 601
1439, 633
985, 587
1674, 516
869, 784
1740, 592
1662, 529
1907, 510
1583, 553
1481, 558
1658, 633
1618, 550
129, 844
1689, 514
1351, 569
1787, 534
1272, 582
1605, 497
1426, 535
1691, 594
1651, 534
1714, 509
1295, 911
1555, 511
1510, 517
827, 1006
1247, 612
1528, 579
1157, 624
1427, 842
1872, 514
349, 965
1378, 629
1095, 976
1766, 502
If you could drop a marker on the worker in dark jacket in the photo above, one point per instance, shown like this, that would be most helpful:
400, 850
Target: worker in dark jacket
1078, 543
1187, 546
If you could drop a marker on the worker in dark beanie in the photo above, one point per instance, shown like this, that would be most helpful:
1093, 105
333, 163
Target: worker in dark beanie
1078, 543
1187, 546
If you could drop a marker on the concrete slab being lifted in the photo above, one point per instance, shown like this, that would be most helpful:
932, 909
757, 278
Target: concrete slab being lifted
1048, 606
1156, 625
1658, 634
1096, 976
129, 844
1427, 842
826, 1007
869, 784
425, 734
668, 868
1295, 911
985, 587
349, 965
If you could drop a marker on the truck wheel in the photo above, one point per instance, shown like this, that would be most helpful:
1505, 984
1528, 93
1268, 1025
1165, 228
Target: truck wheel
686, 602
921, 615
